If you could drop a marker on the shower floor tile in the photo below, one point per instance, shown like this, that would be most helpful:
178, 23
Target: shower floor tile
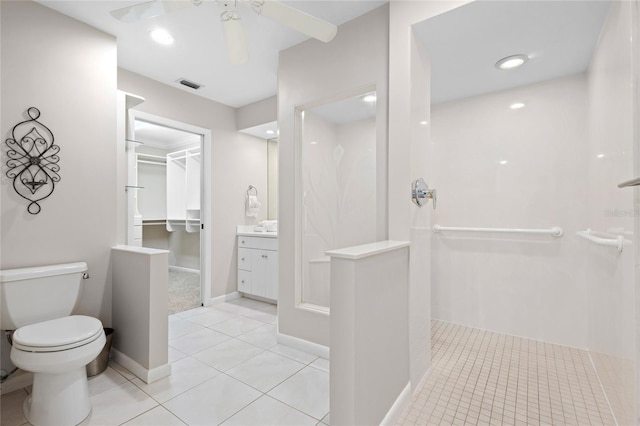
483, 378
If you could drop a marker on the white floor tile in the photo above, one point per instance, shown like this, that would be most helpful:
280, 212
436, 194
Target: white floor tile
213, 401
175, 355
327, 419
234, 308
228, 354
270, 308
195, 311
185, 374
158, 416
181, 327
295, 354
11, 404
198, 341
267, 411
106, 380
321, 364
248, 303
265, 317
264, 336
118, 405
237, 326
121, 370
307, 390
265, 371
212, 316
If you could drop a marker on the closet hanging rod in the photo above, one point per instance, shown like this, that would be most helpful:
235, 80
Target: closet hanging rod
554, 232
602, 239
155, 163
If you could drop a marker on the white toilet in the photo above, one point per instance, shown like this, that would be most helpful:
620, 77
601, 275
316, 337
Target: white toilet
50, 342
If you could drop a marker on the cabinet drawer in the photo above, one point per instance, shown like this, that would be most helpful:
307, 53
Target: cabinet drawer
244, 281
244, 241
244, 258
261, 243
265, 243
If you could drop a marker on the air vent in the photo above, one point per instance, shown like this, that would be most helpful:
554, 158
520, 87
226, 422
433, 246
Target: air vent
190, 84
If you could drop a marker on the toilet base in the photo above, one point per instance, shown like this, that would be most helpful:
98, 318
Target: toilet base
58, 399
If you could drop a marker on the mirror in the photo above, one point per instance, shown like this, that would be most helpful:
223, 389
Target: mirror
338, 165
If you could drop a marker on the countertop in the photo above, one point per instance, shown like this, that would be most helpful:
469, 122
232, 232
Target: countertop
247, 231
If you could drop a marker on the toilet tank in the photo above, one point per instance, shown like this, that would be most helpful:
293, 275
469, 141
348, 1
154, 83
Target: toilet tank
30, 295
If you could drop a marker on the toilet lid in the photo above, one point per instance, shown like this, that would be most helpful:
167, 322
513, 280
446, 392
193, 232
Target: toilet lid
73, 330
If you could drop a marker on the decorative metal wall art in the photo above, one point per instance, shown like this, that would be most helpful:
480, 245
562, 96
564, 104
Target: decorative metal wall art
33, 159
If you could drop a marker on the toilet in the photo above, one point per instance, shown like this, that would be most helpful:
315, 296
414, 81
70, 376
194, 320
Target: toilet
50, 342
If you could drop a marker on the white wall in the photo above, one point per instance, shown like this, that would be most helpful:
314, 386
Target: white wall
238, 160
309, 72
613, 158
519, 285
68, 71
256, 113
409, 159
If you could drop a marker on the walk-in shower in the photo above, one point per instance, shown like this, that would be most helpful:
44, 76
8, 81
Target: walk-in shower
532, 237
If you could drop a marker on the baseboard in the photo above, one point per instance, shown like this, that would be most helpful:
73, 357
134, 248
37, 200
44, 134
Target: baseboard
180, 268
398, 407
224, 298
147, 376
304, 345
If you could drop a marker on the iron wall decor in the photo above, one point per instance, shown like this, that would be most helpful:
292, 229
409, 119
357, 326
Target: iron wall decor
33, 160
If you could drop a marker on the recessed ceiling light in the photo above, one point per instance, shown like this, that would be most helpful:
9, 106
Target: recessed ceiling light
270, 132
510, 62
424, 122
313, 143
516, 105
371, 97
600, 155
161, 36
503, 162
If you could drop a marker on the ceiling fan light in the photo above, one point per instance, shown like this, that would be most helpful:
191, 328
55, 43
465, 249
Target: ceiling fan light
236, 39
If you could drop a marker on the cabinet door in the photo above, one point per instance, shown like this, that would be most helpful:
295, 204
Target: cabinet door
258, 272
272, 275
244, 281
244, 259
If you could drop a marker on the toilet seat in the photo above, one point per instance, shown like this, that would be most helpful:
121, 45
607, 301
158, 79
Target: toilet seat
57, 335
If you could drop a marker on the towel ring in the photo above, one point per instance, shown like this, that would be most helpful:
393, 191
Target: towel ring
252, 188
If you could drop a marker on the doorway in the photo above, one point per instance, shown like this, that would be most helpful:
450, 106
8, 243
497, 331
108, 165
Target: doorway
168, 164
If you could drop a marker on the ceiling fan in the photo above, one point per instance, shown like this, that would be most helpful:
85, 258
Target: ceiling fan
231, 20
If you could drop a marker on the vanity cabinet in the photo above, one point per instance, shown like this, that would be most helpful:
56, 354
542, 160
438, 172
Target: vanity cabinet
258, 266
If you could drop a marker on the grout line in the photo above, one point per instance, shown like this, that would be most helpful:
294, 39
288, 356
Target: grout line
602, 388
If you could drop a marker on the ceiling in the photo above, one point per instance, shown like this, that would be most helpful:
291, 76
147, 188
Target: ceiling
464, 44
199, 53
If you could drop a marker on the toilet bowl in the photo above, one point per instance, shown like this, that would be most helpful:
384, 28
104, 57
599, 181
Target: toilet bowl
57, 351
48, 341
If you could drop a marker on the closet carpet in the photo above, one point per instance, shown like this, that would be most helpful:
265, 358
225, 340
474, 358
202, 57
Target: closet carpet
184, 291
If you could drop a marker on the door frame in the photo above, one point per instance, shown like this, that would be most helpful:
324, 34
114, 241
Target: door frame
205, 189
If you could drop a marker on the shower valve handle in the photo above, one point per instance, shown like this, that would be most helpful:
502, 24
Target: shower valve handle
420, 193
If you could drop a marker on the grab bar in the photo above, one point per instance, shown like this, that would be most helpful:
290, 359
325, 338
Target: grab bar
616, 241
632, 182
554, 232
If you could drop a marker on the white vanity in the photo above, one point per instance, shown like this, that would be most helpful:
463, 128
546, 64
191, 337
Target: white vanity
257, 263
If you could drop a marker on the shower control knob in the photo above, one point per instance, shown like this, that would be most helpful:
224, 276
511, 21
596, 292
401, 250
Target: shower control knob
420, 193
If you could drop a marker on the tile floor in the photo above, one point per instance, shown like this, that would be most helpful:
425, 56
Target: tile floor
227, 368
484, 378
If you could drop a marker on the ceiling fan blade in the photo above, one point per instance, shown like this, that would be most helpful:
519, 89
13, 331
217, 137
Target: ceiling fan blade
296, 19
236, 39
149, 9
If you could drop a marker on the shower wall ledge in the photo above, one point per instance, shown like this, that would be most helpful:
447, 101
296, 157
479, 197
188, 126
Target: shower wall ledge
366, 250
